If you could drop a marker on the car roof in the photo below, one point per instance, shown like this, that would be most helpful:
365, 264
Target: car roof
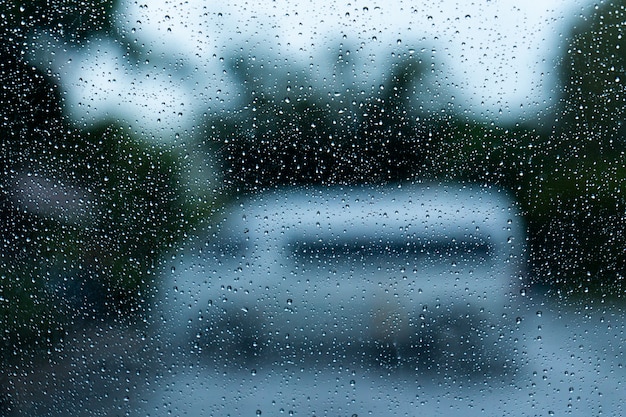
423, 211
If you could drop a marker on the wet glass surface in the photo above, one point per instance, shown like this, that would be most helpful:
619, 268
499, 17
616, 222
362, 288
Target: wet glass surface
265, 208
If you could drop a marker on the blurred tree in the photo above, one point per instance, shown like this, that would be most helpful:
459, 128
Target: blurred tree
593, 68
304, 137
84, 214
577, 199
72, 20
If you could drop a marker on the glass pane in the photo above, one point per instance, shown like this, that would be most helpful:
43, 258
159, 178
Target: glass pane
322, 208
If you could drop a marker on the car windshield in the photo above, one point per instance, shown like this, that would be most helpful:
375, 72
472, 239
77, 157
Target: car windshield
392, 251
312, 208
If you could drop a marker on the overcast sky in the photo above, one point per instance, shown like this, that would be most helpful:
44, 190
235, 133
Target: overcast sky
492, 60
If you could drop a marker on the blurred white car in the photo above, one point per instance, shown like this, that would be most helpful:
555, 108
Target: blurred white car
408, 267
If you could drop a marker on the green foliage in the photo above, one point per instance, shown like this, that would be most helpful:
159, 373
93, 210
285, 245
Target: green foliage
577, 200
86, 215
70, 19
593, 68
304, 137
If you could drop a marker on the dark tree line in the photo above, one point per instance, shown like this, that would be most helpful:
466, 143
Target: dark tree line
307, 138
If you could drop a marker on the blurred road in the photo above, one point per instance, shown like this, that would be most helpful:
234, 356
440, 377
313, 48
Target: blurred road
569, 361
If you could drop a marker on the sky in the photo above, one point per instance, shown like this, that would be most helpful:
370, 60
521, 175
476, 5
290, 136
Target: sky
171, 61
